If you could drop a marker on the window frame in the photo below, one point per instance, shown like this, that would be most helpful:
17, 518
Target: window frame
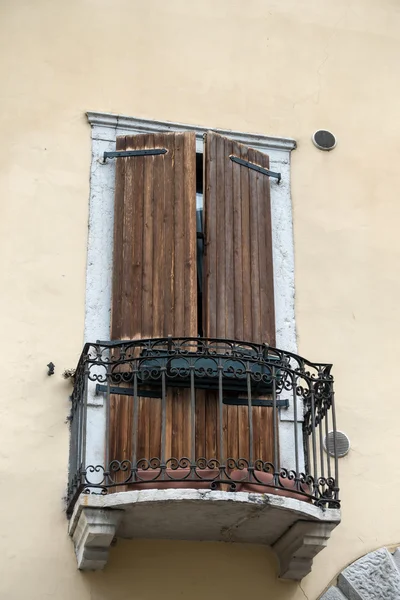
105, 128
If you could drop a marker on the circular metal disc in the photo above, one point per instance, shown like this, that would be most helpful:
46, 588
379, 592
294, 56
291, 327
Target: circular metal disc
324, 140
342, 444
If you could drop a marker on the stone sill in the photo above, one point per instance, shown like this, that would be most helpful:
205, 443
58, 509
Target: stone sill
296, 530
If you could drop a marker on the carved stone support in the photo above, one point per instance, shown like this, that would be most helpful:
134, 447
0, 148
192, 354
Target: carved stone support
299, 545
296, 530
93, 535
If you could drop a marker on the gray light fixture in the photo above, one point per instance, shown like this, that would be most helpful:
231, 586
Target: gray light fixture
324, 140
338, 439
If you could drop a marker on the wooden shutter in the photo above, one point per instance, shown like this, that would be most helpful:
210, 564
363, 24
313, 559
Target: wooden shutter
238, 284
238, 290
154, 276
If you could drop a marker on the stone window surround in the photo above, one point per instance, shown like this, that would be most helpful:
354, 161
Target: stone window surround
105, 128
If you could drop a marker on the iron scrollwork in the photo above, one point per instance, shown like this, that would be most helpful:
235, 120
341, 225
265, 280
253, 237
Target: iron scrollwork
225, 366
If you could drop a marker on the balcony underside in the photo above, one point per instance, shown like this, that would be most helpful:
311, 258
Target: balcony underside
296, 530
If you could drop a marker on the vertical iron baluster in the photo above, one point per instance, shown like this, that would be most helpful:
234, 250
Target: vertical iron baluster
107, 428
336, 471
275, 417
192, 419
163, 421
74, 457
250, 421
296, 433
314, 442
321, 443
221, 418
135, 432
328, 458
84, 418
78, 426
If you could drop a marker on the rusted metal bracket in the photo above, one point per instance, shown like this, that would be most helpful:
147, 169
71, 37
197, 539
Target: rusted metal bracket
254, 167
128, 153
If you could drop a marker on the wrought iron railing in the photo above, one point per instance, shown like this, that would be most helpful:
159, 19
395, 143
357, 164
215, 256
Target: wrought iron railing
284, 411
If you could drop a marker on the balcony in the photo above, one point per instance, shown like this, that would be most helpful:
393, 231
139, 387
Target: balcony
201, 439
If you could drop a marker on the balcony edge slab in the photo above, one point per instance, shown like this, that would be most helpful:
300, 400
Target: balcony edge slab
96, 519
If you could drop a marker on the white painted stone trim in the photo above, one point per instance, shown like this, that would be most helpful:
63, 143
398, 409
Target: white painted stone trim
105, 128
103, 125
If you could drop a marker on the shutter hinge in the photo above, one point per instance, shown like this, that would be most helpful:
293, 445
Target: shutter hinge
254, 167
127, 153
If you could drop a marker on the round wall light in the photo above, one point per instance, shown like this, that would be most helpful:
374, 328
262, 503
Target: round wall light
338, 439
324, 140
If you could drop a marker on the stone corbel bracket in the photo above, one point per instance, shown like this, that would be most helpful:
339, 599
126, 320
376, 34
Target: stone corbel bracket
298, 546
92, 534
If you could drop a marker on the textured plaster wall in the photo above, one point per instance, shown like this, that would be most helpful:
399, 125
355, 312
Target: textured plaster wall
279, 68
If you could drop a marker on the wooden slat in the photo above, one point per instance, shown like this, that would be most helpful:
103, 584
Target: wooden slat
245, 239
237, 262
266, 256
159, 236
190, 239
121, 414
136, 264
255, 271
148, 244
115, 404
169, 282
220, 231
241, 272
230, 208
118, 277
210, 232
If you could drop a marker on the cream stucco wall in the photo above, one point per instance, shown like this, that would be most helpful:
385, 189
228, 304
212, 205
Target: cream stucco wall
279, 68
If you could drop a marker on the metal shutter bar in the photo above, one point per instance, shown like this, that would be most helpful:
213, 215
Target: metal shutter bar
127, 153
254, 167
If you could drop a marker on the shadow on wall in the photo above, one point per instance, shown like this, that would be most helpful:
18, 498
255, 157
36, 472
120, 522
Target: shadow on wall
167, 570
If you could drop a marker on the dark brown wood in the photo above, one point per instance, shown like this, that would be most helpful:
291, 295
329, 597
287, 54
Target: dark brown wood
200, 423
238, 274
121, 414
154, 283
154, 279
210, 232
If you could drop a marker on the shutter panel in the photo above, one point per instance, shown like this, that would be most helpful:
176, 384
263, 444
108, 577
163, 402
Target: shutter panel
154, 273
238, 287
239, 284
154, 277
